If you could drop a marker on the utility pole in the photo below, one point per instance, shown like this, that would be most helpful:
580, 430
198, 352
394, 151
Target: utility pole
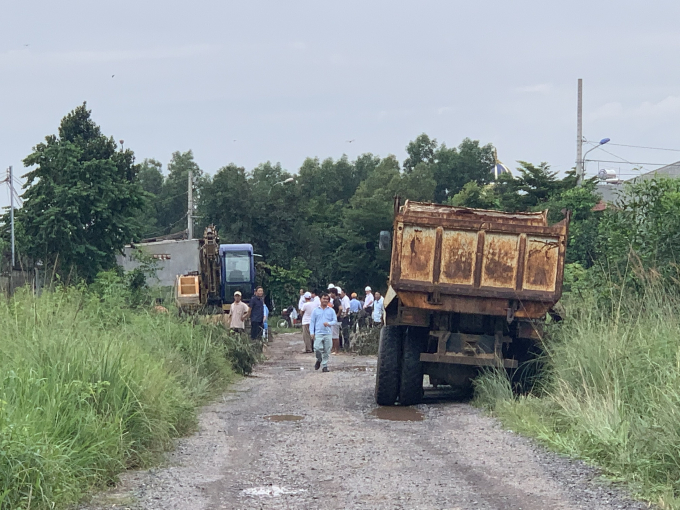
190, 207
11, 210
10, 182
579, 134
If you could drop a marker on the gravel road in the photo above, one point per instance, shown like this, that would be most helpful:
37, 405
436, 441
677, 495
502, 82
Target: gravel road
292, 438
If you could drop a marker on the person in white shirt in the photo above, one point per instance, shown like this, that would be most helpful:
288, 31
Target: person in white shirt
368, 302
378, 308
344, 317
238, 310
306, 312
301, 301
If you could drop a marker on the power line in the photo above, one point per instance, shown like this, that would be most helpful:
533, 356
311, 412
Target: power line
634, 146
627, 163
612, 154
643, 147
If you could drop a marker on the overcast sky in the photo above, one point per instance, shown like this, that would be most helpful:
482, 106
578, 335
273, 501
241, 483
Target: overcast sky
280, 80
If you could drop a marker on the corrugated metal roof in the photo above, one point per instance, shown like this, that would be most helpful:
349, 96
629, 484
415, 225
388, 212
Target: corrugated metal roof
672, 170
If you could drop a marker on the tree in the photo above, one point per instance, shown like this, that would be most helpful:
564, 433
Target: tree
173, 198
226, 201
82, 198
420, 150
476, 196
150, 178
455, 167
530, 190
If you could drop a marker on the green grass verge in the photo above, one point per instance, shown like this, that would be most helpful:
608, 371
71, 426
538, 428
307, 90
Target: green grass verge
610, 393
90, 387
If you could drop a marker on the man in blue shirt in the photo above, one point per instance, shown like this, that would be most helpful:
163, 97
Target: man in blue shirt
256, 314
321, 331
354, 304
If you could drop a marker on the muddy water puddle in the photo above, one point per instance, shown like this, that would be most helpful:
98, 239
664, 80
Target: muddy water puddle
352, 368
397, 413
284, 417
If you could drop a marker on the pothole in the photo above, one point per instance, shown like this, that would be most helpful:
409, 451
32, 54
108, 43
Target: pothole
352, 368
271, 491
284, 417
397, 413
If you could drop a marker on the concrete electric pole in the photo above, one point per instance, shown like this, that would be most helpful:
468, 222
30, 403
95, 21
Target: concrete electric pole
10, 181
190, 207
579, 134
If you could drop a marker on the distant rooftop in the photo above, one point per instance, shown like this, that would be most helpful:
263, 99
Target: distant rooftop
610, 191
672, 170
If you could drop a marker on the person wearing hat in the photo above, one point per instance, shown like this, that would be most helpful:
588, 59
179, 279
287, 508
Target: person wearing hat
237, 312
306, 312
368, 303
354, 309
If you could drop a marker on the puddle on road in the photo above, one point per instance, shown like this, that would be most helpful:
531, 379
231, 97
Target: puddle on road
353, 368
284, 417
397, 413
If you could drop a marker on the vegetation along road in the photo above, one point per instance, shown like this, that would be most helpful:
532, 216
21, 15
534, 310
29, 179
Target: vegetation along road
289, 437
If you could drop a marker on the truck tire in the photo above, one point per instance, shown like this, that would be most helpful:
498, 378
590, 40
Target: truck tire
411, 380
389, 365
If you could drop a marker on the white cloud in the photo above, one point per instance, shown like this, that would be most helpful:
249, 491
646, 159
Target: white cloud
647, 109
297, 45
443, 110
540, 88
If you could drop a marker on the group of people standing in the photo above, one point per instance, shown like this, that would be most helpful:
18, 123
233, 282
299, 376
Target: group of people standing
255, 310
327, 318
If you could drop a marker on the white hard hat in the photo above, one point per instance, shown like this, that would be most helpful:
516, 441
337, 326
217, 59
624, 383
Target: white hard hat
308, 295
367, 289
339, 290
331, 286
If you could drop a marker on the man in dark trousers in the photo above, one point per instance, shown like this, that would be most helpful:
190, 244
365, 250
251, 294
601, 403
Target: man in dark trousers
256, 314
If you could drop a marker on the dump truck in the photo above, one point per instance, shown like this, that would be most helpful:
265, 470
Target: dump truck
468, 289
223, 269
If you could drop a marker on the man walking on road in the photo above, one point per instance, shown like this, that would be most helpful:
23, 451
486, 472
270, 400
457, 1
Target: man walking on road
256, 314
307, 310
320, 328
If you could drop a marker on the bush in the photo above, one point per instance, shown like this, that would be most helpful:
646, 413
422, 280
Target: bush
366, 341
611, 394
90, 387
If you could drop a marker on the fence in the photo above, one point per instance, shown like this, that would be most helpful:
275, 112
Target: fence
17, 279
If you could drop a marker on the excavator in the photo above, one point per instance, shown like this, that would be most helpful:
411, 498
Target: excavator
223, 269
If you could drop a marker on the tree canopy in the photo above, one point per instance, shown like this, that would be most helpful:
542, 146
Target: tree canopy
85, 199
82, 198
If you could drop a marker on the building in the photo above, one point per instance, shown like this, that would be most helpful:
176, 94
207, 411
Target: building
610, 191
173, 256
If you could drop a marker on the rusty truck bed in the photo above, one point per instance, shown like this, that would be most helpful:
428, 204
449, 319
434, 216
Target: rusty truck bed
456, 259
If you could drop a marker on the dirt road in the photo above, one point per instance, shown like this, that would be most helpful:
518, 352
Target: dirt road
293, 438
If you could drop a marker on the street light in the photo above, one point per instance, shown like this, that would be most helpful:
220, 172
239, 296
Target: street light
287, 181
579, 178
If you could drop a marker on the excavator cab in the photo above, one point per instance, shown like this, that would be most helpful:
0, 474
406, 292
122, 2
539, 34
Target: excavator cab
238, 272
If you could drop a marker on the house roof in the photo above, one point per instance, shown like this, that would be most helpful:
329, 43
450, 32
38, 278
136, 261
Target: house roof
672, 170
610, 191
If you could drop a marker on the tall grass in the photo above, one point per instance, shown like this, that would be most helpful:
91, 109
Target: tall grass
90, 387
611, 393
